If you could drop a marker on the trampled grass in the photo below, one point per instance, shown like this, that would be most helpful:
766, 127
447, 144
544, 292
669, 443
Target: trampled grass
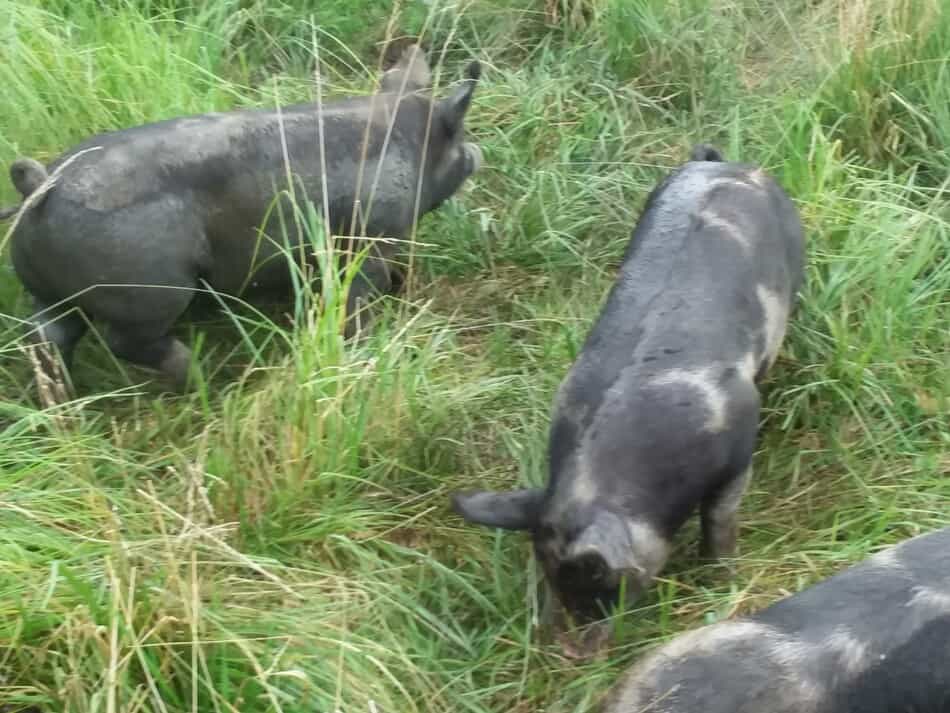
280, 539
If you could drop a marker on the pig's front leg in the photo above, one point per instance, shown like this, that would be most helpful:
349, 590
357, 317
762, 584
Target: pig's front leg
719, 516
373, 280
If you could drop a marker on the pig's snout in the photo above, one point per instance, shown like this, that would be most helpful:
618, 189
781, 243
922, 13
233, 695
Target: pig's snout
473, 157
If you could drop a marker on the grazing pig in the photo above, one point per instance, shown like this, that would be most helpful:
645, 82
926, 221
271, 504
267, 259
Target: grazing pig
130, 228
874, 638
659, 413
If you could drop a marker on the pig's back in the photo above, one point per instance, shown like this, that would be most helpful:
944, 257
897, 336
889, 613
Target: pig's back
861, 641
707, 282
708, 238
666, 379
875, 604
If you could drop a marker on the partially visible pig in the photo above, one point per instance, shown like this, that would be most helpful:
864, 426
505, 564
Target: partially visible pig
874, 638
659, 414
131, 228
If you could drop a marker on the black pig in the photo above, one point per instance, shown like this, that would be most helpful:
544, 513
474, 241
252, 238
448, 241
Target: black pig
660, 411
130, 228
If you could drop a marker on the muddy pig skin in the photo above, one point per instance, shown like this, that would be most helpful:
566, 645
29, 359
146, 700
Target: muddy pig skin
659, 414
136, 220
874, 638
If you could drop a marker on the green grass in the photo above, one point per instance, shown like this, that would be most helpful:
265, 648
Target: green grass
280, 540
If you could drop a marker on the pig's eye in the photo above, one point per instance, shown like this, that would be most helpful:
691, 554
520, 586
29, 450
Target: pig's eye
449, 129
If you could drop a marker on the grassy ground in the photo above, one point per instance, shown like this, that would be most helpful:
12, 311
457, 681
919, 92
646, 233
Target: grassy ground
280, 539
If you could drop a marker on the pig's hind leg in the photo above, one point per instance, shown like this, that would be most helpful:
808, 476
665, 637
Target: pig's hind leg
372, 281
163, 353
147, 341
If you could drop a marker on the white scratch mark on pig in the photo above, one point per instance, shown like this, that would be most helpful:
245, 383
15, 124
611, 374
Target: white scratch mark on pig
775, 310
731, 230
735, 182
853, 654
701, 380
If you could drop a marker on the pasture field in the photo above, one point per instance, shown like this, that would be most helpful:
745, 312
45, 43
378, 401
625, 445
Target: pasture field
279, 540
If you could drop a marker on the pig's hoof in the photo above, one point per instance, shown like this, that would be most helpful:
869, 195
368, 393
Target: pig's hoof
587, 644
175, 366
397, 278
724, 563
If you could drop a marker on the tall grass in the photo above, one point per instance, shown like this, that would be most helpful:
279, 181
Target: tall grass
279, 539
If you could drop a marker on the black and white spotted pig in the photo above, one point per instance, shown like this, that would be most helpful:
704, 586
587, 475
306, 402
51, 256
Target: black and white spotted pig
659, 413
874, 638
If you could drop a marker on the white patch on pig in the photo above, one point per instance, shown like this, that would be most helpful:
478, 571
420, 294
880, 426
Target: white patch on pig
702, 381
639, 686
804, 693
716, 638
747, 367
650, 548
730, 497
775, 309
731, 230
886, 559
853, 654
582, 486
730, 641
583, 490
931, 599
791, 653
758, 177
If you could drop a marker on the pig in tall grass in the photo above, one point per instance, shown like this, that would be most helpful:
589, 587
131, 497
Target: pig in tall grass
136, 220
659, 414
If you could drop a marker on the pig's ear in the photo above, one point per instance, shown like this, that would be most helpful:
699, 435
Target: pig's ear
454, 106
514, 510
605, 544
409, 73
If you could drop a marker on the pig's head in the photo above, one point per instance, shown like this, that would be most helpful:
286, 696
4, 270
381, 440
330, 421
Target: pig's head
407, 69
589, 553
449, 158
